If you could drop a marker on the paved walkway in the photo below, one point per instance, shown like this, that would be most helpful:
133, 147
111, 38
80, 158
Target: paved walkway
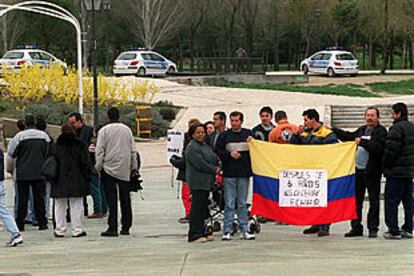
157, 245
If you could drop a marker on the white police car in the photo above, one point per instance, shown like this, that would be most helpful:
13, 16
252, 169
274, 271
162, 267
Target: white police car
142, 62
14, 60
331, 62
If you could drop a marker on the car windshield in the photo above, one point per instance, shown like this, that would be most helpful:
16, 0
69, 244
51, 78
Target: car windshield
127, 56
13, 55
345, 57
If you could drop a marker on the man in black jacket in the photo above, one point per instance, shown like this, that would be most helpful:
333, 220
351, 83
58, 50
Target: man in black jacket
371, 141
219, 120
233, 150
398, 165
30, 147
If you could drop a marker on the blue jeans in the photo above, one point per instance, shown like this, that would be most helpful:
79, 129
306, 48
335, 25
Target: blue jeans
98, 196
5, 215
398, 190
236, 190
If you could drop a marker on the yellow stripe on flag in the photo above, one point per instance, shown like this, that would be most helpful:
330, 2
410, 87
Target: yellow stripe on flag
269, 158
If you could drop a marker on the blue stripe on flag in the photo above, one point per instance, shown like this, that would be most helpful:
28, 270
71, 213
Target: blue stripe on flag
338, 188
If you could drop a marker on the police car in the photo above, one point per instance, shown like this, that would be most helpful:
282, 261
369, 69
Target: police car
14, 60
142, 62
331, 62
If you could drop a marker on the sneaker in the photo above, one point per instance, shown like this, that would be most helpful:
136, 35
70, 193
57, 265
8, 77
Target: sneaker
247, 236
323, 233
15, 241
311, 230
210, 238
389, 236
58, 235
226, 237
82, 234
200, 240
373, 234
406, 235
354, 233
183, 220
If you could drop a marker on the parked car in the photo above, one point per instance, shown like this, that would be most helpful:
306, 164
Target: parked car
331, 63
142, 62
14, 60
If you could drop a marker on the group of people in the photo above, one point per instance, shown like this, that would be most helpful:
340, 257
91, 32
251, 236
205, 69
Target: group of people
84, 162
214, 153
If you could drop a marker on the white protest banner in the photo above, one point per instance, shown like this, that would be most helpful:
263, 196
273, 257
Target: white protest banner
175, 141
303, 188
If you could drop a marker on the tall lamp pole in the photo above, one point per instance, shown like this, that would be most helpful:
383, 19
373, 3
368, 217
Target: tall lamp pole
93, 6
318, 15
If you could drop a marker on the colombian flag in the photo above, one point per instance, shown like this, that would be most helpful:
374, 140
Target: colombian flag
337, 160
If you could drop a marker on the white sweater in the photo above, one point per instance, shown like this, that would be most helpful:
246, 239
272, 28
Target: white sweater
116, 151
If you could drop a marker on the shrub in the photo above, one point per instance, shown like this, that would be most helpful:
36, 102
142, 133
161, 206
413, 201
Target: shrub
3, 106
159, 125
168, 113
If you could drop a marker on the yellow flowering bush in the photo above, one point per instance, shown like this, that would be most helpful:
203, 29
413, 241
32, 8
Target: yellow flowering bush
33, 84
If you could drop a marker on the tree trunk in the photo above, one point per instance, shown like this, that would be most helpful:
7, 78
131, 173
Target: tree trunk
391, 51
412, 54
385, 50
4, 32
364, 50
191, 49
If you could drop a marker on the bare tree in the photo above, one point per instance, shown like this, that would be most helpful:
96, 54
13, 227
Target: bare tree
11, 27
153, 21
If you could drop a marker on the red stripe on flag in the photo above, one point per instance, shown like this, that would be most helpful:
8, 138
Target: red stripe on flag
337, 210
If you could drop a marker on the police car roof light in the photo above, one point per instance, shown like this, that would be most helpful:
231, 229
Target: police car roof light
22, 46
140, 49
335, 48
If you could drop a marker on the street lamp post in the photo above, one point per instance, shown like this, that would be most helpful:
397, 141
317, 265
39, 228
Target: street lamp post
93, 6
318, 15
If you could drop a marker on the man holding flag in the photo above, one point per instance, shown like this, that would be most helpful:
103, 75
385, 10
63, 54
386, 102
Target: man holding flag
313, 133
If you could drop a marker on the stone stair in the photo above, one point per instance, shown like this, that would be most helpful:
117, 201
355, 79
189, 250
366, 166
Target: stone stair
352, 116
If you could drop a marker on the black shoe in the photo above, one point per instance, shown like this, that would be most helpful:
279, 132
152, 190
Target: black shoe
21, 228
82, 234
373, 234
109, 233
124, 232
43, 227
262, 220
354, 233
311, 230
323, 233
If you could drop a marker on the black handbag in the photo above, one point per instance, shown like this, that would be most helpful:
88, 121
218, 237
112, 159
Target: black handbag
50, 168
135, 182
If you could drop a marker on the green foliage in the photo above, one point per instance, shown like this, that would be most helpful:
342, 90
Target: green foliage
159, 125
352, 90
405, 87
3, 106
54, 113
168, 114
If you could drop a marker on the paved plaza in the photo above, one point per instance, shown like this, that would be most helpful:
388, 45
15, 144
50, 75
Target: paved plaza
158, 246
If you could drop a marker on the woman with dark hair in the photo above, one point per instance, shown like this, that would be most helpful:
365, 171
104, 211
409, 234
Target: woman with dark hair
201, 169
72, 181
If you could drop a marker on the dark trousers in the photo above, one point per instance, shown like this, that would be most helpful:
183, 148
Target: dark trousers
39, 190
372, 183
398, 190
198, 214
111, 187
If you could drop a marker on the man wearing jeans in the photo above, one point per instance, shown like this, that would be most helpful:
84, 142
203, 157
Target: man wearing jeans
399, 170
233, 151
5, 215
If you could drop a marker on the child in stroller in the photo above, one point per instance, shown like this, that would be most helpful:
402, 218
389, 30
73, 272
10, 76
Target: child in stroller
215, 213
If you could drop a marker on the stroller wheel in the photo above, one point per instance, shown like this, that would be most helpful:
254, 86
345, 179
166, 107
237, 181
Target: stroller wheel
258, 228
216, 226
210, 230
235, 228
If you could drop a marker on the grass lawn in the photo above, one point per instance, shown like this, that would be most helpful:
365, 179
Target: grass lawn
352, 90
405, 87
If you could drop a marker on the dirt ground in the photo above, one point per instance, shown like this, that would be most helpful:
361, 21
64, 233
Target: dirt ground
360, 79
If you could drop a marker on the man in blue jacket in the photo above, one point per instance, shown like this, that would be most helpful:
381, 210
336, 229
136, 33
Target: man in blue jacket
233, 151
314, 133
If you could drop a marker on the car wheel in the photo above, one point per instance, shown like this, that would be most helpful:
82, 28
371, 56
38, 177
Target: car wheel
353, 75
141, 72
331, 72
305, 69
170, 70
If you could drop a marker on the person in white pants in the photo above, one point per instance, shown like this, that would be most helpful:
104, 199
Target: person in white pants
72, 181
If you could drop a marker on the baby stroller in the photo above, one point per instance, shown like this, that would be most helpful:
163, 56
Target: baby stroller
215, 216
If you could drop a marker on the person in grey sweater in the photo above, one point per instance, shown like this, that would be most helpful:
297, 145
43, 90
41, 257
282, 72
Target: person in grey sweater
201, 169
116, 160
